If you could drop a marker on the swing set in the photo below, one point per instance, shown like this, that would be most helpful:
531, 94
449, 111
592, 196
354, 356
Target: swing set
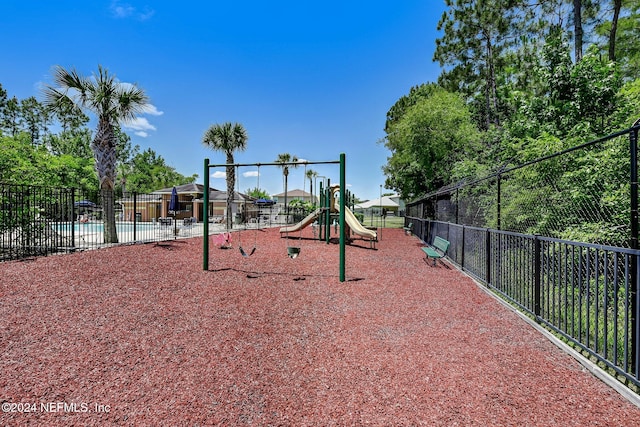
290, 250
255, 235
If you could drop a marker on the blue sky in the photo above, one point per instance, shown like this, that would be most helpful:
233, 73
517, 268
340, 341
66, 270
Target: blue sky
309, 78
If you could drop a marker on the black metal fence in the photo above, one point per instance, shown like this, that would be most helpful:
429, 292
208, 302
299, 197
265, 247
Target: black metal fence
585, 292
36, 221
556, 236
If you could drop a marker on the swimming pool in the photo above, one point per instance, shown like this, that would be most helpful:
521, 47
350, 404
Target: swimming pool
98, 227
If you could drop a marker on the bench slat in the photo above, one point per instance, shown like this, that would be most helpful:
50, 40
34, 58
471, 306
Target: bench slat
437, 250
431, 253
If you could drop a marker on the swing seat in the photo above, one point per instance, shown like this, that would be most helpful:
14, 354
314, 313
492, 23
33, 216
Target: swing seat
293, 252
223, 240
244, 254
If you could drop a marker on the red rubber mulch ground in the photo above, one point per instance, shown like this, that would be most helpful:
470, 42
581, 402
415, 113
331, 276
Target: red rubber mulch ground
140, 335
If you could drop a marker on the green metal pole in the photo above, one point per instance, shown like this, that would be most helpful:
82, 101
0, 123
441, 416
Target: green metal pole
205, 210
327, 224
322, 213
343, 186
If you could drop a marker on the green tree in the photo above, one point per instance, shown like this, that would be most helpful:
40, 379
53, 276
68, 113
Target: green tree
113, 103
20, 161
70, 117
257, 193
476, 35
572, 99
628, 111
426, 142
25, 164
416, 93
619, 28
147, 172
227, 138
35, 118
11, 120
287, 160
311, 175
76, 143
3, 107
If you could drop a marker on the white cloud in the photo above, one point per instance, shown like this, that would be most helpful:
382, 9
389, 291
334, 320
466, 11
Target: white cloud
140, 126
151, 109
219, 174
250, 174
120, 10
124, 10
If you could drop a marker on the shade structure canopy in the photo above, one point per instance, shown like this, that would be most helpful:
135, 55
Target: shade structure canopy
385, 202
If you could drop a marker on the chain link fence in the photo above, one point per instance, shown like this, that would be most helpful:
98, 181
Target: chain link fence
581, 194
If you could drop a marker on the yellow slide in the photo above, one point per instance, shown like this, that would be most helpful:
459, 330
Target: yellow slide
355, 225
349, 218
302, 224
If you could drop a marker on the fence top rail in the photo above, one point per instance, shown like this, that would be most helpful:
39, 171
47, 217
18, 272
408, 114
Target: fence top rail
541, 238
591, 245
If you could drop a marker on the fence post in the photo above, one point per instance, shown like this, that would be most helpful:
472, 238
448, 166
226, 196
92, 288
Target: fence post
537, 290
498, 208
135, 209
462, 248
488, 256
73, 217
457, 204
633, 294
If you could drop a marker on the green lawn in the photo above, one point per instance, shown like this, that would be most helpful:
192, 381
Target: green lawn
385, 222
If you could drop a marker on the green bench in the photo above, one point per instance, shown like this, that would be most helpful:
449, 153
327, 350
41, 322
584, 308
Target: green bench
437, 250
408, 229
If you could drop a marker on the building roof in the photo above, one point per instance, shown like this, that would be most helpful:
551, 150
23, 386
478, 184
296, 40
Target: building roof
198, 190
294, 193
385, 202
190, 188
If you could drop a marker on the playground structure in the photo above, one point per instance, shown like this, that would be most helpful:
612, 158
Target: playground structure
340, 206
333, 205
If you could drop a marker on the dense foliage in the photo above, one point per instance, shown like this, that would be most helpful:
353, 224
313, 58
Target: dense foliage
41, 146
519, 81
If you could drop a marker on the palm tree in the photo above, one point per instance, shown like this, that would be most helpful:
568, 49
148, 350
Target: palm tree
113, 103
311, 174
286, 158
227, 138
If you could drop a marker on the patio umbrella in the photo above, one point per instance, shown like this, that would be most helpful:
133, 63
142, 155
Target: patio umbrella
173, 207
264, 202
173, 202
84, 204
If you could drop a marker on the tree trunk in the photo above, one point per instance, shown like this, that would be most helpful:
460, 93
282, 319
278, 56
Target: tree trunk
491, 92
109, 215
577, 25
104, 153
617, 5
